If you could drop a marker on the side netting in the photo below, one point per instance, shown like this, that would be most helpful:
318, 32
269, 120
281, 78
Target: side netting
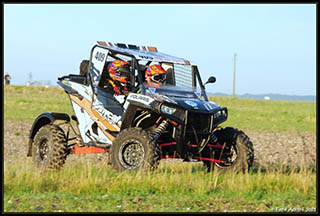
183, 75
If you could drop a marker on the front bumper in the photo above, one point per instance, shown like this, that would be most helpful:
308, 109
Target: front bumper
203, 123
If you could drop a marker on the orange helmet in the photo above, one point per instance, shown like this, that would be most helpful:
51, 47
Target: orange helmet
155, 75
119, 71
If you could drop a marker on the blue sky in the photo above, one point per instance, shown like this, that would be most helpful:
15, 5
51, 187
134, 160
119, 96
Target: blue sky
275, 43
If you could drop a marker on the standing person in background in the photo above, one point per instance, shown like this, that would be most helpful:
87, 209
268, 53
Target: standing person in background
7, 78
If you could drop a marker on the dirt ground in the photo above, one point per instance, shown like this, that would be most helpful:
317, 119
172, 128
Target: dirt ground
293, 149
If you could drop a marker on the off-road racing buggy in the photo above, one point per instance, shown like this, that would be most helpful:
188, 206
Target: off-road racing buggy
148, 124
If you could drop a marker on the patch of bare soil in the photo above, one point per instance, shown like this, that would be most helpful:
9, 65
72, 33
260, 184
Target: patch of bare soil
292, 149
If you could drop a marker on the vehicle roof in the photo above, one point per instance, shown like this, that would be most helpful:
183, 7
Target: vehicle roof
143, 53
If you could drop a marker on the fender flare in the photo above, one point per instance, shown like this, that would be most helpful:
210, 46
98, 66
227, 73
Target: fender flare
128, 116
46, 118
41, 120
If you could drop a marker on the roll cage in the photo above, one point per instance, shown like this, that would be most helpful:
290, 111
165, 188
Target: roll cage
136, 54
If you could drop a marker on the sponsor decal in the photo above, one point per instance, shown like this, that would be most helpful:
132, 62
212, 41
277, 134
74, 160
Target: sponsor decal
210, 105
140, 98
66, 82
107, 115
145, 57
193, 104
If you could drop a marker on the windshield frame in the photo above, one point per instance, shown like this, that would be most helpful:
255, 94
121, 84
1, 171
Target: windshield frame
196, 76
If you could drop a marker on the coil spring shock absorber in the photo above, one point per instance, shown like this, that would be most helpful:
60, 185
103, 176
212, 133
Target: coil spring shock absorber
213, 139
160, 129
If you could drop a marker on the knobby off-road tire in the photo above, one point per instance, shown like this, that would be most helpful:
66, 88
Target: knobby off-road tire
238, 152
49, 150
134, 149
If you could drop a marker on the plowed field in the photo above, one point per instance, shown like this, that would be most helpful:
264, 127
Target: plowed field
283, 148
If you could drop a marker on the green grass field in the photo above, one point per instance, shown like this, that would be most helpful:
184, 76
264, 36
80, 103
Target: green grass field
26, 103
186, 187
23, 103
181, 188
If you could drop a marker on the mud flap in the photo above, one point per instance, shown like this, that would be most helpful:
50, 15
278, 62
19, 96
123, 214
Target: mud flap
180, 140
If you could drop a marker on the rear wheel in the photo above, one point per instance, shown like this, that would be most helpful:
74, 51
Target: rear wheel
49, 147
134, 149
237, 154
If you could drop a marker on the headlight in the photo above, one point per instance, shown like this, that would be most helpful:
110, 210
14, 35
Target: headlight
167, 110
217, 114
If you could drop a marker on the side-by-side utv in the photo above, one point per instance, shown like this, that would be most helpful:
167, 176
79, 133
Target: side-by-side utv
144, 126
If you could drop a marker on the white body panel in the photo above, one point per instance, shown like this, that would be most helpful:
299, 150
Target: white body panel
85, 127
99, 56
106, 114
86, 116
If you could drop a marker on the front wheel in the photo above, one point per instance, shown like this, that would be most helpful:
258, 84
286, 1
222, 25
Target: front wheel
134, 149
49, 147
237, 154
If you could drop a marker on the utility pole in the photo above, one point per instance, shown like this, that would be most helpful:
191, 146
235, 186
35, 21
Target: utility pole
30, 79
234, 75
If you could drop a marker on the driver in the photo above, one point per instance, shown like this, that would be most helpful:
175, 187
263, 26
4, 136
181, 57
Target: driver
119, 72
155, 76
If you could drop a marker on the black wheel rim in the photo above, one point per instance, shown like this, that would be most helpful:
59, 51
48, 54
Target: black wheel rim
131, 154
229, 155
44, 149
